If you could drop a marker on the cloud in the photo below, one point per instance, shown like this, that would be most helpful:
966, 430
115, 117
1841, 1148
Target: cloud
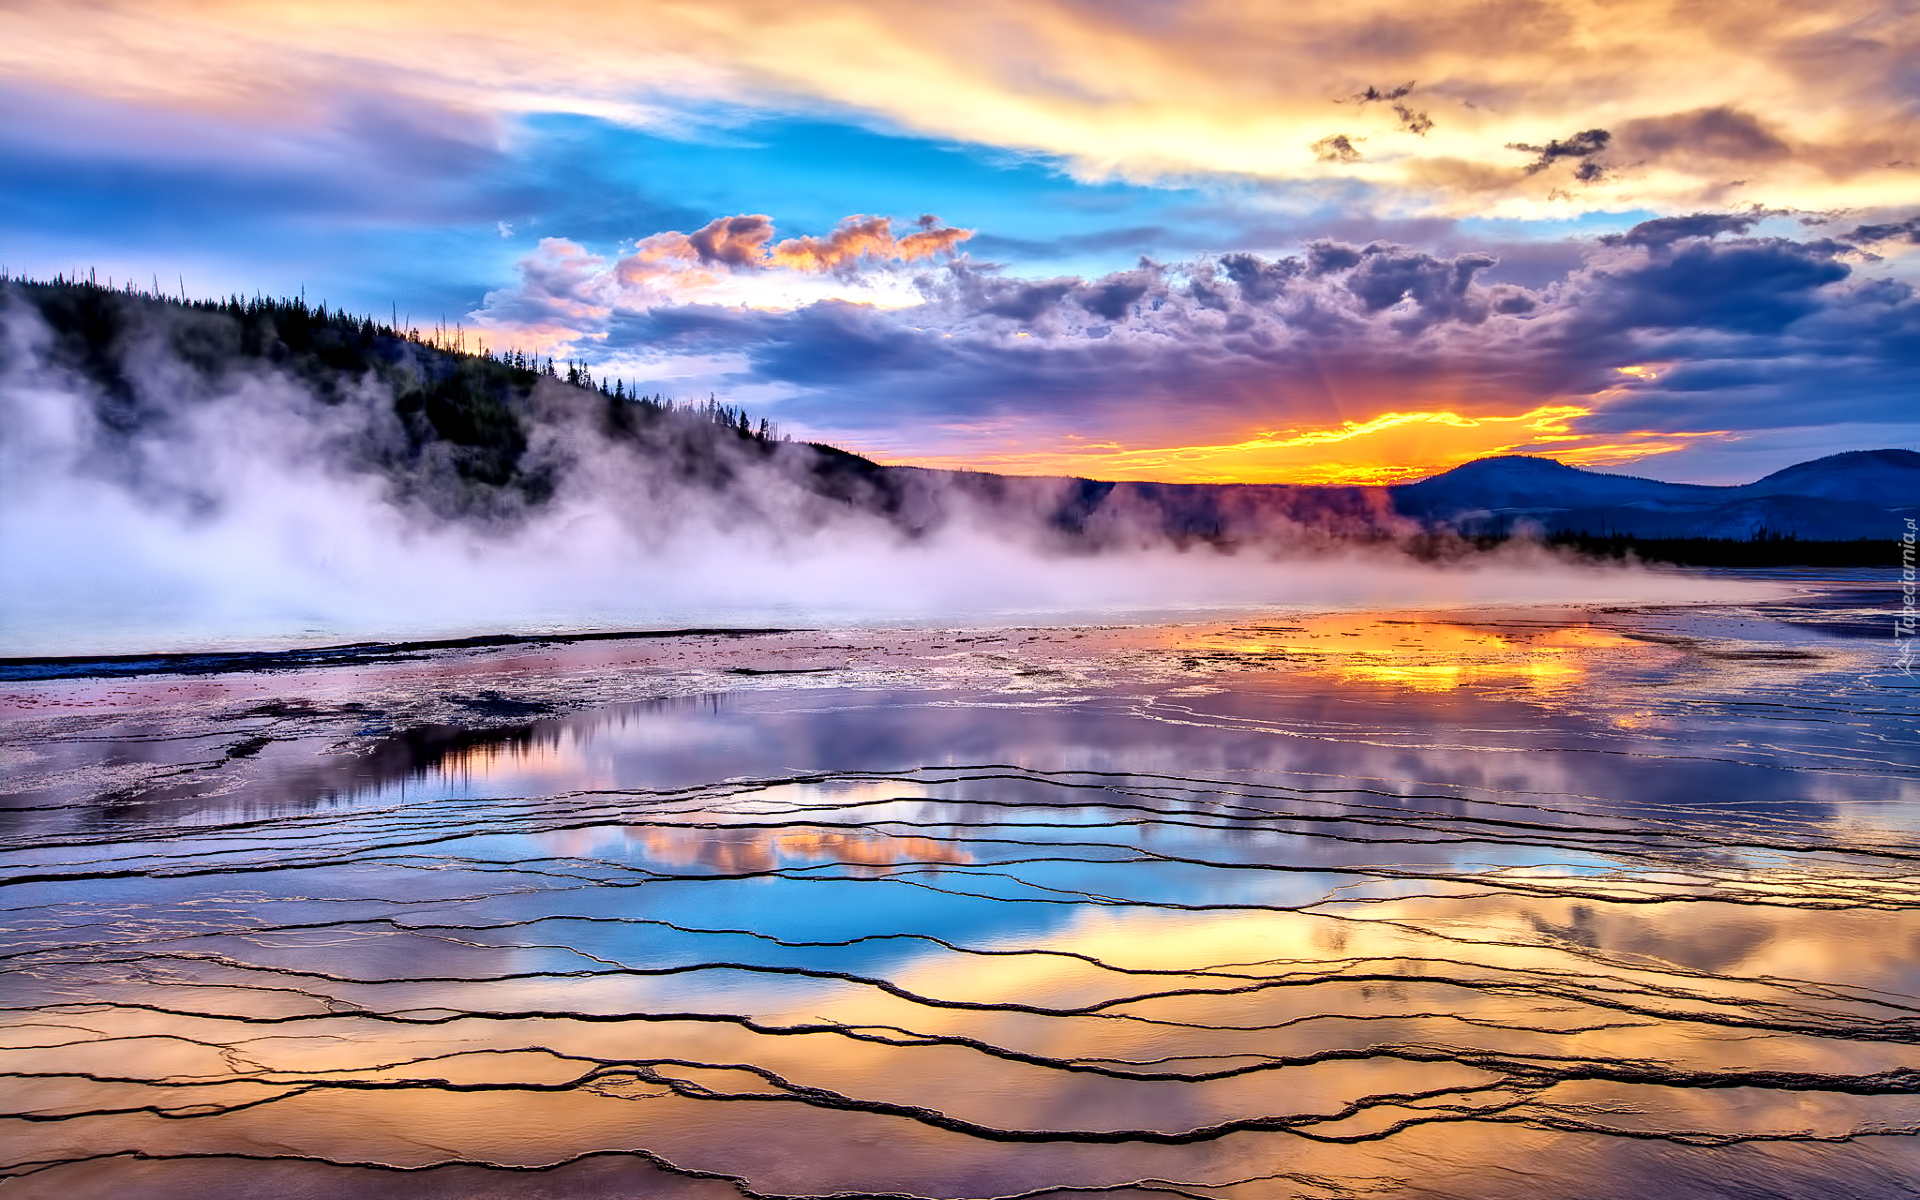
1373, 93
1416, 123
565, 290
1757, 287
1722, 133
1795, 107
1583, 146
1336, 148
859, 238
1441, 290
746, 242
1260, 281
1211, 367
1019, 301
1662, 232
1894, 231
730, 241
1112, 298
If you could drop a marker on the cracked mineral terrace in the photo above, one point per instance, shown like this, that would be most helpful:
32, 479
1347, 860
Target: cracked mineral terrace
1538, 903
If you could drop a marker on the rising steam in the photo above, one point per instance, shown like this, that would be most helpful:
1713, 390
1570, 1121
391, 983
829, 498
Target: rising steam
195, 496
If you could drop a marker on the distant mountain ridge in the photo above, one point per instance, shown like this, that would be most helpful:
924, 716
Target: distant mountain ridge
1856, 494
1866, 476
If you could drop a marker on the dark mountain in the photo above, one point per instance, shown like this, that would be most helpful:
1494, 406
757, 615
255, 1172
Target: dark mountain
1861, 493
1517, 483
1876, 477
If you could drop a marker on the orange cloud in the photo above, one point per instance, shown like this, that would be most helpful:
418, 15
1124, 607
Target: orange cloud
1770, 101
858, 238
1395, 447
565, 291
746, 242
735, 241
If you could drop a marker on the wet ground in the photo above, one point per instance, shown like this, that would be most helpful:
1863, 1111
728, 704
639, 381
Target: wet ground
1532, 903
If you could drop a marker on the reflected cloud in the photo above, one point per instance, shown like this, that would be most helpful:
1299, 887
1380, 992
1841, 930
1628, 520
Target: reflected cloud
1453, 1040
754, 850
1231, 908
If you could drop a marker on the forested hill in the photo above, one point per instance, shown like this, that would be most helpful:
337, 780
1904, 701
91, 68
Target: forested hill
453, 424
460, 432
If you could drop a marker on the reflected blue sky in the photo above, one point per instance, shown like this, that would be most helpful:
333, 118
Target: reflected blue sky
1523, 867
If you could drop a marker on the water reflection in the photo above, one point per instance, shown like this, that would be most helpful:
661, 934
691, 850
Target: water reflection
1596, 916
1426, 656
743, 850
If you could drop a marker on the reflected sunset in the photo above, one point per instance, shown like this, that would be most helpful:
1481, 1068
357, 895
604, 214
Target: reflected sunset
1427, 655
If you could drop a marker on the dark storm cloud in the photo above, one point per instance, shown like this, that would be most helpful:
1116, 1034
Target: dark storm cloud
1111, 300
1581, 147
827, 344
830, 342
1324, 258
1019, 301
1206, 295
696, 328
1756, 287
1904, 231
1721, 133
1440, 289
1663, 232
1523, 260
1259, 280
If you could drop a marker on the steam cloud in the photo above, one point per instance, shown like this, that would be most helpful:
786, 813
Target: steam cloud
248, 505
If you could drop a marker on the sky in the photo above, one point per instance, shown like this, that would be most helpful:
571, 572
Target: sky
1355, 241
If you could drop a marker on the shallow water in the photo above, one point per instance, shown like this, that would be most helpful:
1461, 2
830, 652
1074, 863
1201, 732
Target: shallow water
1543, 903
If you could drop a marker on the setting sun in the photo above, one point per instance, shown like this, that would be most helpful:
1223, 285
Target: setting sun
1395, 447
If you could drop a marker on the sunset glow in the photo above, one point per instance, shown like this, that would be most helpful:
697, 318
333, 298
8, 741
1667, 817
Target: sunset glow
1392, 448
1218, 243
